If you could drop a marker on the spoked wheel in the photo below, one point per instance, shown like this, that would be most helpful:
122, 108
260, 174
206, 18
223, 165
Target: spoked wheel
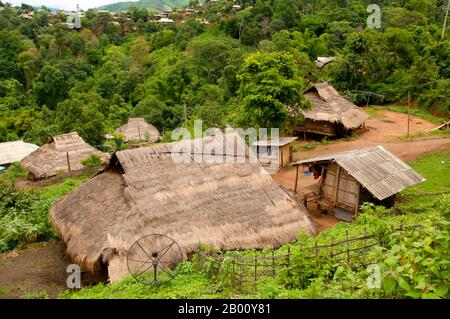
152, 259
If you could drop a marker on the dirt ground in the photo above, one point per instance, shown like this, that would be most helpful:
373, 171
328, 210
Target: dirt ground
37, 271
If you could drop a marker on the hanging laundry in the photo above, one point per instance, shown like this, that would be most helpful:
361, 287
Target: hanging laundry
306, 171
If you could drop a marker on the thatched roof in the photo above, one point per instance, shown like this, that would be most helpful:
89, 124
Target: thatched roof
15, 151
328, 105
56, 157
378, 170
143, 191
137, 129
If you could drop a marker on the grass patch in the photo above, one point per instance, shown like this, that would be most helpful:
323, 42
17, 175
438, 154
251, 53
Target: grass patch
435, 168
309, 146
403, 109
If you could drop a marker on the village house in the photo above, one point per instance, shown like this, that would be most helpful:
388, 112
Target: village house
330, 114
143, 191
62, 154
348, 179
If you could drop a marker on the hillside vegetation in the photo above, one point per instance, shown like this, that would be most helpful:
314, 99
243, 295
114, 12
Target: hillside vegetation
159, 5
219, 63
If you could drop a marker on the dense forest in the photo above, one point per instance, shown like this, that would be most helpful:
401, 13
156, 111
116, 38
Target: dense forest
225, 64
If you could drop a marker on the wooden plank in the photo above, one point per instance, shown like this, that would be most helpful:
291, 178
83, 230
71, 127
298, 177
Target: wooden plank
357, 203
336, 185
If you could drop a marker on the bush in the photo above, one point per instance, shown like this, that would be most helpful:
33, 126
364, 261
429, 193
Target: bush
92, 161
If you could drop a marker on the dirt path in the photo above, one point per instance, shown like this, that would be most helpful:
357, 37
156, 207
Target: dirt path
37, 271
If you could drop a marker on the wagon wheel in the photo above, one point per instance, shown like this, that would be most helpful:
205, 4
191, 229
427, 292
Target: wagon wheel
152, 259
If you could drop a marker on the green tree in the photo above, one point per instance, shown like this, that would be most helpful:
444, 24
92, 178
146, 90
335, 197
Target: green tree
268, 81
83, 113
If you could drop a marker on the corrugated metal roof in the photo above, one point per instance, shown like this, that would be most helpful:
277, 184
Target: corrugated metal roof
15, 151
379, 171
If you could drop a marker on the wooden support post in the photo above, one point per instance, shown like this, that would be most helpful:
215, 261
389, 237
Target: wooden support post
409, 107
68, 161
296, 180
280, 150
357, 199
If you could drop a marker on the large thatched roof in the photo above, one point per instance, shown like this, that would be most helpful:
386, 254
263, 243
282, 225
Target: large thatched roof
15, 151
143, 191
56, 157
378, 170
328, 105
137, 129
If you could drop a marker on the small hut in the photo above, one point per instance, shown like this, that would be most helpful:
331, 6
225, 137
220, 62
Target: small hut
351, 178
274, 153
330, 114
322, 61
138, 130
62, 154
11, 152
145, 191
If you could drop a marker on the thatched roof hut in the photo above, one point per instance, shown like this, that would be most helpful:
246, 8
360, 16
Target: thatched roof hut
138, 130
143, 191
15, 151
330, 112
63, 153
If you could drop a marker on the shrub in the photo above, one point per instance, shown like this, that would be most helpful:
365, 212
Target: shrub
92, 161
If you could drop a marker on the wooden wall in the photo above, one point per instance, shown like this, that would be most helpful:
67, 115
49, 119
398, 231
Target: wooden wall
317, 127
347, 196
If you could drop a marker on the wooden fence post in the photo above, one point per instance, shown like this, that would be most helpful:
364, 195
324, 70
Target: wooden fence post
365, 243
331, 248
348, 247
256, 263
316, 252
273, 262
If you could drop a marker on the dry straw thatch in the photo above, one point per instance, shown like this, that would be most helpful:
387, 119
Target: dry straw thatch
328, 105
64, 153
138, 130
143, 191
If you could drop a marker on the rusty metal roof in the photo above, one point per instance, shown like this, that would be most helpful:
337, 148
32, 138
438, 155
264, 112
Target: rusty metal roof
378, 170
